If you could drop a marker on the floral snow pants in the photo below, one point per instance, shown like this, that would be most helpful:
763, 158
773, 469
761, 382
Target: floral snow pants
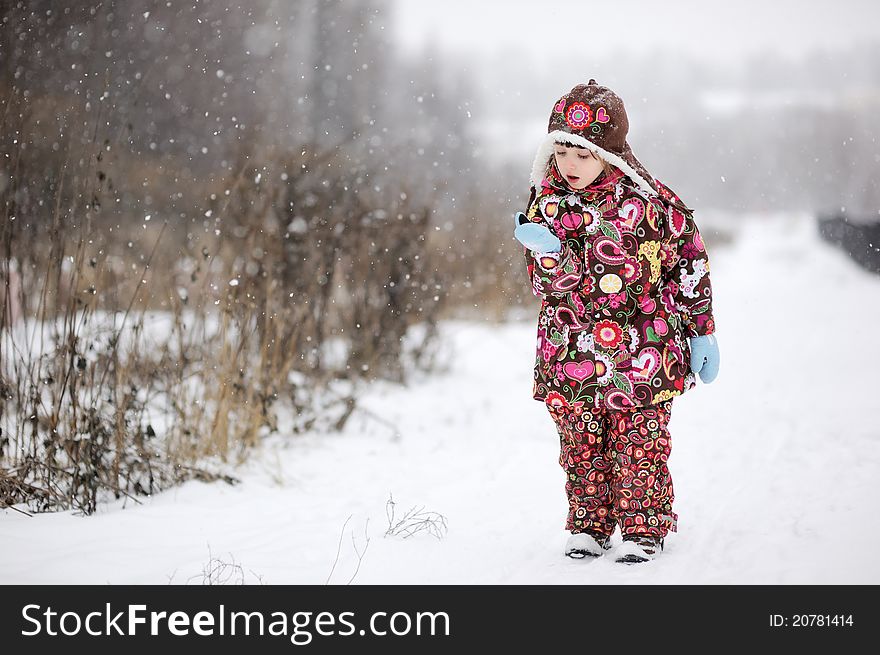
616, 468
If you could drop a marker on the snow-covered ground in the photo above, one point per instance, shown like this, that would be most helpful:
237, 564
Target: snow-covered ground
774, 464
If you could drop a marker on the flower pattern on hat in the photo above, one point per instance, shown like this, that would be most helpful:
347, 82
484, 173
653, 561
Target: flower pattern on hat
578, 115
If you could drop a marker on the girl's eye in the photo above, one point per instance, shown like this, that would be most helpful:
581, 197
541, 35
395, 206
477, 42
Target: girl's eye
560, 154
584, 156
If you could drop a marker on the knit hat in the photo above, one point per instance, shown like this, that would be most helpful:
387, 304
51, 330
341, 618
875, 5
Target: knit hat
592, 116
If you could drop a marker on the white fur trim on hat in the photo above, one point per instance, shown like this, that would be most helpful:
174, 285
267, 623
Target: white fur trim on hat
545, 151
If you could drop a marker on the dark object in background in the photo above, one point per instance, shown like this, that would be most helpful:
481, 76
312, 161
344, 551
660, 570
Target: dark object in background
860, 239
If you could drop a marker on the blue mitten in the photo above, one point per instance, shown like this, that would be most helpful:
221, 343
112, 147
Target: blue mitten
705, 357
534, 236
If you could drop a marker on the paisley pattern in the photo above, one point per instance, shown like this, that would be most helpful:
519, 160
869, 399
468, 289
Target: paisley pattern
620, 299
616, 466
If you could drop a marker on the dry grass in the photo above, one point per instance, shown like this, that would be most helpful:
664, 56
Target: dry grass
124, 375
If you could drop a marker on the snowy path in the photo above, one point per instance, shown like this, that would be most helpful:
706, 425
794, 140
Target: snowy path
773, 464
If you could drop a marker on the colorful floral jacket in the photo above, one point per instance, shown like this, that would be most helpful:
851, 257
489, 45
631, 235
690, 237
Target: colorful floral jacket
619, 300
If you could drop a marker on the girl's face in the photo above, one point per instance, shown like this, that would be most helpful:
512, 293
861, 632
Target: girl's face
578, 166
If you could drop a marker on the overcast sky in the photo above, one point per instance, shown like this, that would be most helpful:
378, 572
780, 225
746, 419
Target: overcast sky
504, 47
721, 31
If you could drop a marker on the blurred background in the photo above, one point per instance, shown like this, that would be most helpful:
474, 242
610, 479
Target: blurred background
211, 210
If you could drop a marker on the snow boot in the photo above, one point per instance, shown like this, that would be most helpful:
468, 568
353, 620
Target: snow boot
638, 548
587, 544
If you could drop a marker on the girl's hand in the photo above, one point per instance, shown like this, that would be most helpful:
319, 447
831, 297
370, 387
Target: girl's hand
535, 237
705, 358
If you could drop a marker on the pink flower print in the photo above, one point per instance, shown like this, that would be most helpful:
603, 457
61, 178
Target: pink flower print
607, 334
578, 303
556, 400
615, 300
631, 268
548, 350
689, 251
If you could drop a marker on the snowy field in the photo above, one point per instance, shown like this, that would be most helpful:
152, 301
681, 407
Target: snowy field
774, 464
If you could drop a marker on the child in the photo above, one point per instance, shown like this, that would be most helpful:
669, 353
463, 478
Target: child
625, 321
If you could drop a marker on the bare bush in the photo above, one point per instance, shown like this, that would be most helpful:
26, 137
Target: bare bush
359, 552
414, 521
217, 571
186, 259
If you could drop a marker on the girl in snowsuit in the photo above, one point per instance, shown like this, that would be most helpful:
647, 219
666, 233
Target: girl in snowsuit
625, 321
